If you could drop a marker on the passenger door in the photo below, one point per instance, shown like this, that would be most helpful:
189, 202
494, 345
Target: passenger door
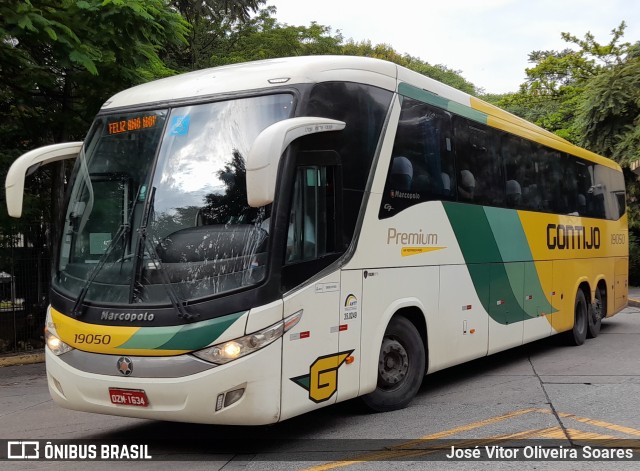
311, 356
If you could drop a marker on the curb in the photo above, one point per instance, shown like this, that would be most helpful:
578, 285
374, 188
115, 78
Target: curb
22, 359
633, 302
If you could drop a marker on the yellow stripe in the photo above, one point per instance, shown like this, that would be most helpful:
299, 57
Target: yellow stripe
98, 338
505, 121
408, 251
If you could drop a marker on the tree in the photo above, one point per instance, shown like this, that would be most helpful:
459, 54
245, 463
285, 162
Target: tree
61, 59
590, 95
609, 123
555, 83
214, 23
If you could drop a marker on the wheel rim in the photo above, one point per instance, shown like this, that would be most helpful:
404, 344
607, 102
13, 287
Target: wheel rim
393, 364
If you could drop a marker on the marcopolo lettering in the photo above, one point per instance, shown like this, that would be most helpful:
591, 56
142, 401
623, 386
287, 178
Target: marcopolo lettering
127, 316
563, 237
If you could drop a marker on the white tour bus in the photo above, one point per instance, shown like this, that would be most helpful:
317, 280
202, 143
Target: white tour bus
251, 242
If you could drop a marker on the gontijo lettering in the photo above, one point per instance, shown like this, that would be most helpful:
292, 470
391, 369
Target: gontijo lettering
563, 237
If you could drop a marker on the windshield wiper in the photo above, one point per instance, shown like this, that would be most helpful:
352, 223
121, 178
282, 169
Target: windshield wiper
145, 244
122, 232
77, 307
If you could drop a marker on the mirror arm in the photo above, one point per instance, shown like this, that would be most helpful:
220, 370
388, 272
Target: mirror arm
28, 163
267, 149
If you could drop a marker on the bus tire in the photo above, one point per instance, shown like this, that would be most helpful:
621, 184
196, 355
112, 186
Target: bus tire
597, 312
401, 367
578, 334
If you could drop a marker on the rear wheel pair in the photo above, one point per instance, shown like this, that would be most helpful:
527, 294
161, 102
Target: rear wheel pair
587, 319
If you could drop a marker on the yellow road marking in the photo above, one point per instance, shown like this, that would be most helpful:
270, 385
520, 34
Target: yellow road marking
600, 423
401, 451
408, 449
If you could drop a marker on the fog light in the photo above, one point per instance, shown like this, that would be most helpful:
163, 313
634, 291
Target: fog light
219, 402
233, 396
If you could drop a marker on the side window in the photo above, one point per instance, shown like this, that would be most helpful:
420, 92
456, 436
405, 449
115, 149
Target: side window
312, 221
364, 108
516, 155
422, 166
526, 164
480, 179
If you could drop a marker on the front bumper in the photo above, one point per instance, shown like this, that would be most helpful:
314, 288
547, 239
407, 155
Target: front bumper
190, 398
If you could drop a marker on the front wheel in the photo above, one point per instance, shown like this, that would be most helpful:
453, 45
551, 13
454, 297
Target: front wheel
578, 334
401, 367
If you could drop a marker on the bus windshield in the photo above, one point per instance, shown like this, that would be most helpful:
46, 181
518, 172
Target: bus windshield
158, 206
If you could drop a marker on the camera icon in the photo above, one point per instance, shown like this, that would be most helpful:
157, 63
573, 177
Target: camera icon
23, 450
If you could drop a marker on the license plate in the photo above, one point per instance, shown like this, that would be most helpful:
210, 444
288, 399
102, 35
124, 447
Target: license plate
128, 397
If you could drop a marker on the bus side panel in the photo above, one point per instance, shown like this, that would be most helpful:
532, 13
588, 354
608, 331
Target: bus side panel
567, 276
536, 305
350, 333
505, 309
310, 356
461, 330
384, 293
621, 289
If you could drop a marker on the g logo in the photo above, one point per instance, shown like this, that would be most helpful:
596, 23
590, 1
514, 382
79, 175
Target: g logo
322, 380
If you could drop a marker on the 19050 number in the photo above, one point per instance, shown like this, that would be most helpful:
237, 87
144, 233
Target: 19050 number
96, 339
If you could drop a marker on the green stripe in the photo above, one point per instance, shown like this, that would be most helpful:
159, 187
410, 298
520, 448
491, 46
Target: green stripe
185, 337
500, 262
436, 100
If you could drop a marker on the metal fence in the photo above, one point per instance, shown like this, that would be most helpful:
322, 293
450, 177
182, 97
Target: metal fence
24, 288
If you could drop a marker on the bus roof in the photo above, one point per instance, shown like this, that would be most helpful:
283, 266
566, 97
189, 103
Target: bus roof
274, 73
258, 75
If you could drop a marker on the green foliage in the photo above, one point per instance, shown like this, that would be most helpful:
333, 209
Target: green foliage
556, 82
386, 52
609, 114
59, 61
217, 39
634, 260
590, 95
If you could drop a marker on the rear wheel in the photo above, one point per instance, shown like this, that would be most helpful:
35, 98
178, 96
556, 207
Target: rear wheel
597, 312
401, 367
578, 334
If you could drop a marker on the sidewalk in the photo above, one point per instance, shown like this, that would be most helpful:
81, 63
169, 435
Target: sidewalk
634, 296
13, 359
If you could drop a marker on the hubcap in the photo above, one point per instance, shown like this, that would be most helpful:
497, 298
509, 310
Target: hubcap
393, 364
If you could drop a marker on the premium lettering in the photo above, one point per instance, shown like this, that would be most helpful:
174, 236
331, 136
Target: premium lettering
410, 238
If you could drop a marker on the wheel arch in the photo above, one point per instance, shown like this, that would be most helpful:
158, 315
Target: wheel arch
414, 311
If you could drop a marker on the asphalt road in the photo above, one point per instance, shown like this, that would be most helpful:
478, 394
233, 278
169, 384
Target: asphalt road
541, 391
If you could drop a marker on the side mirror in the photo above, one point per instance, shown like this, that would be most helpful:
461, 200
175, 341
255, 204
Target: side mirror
27, 163
267, 149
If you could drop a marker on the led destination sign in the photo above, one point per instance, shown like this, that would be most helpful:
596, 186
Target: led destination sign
132, 124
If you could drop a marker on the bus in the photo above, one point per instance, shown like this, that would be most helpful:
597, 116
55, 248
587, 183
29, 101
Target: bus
251, 242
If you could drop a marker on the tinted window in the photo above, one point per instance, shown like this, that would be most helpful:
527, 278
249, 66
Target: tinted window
480, 179
364, 109
422, 166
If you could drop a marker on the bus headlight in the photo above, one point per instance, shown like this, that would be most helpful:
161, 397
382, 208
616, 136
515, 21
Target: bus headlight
57, 346
233, 349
